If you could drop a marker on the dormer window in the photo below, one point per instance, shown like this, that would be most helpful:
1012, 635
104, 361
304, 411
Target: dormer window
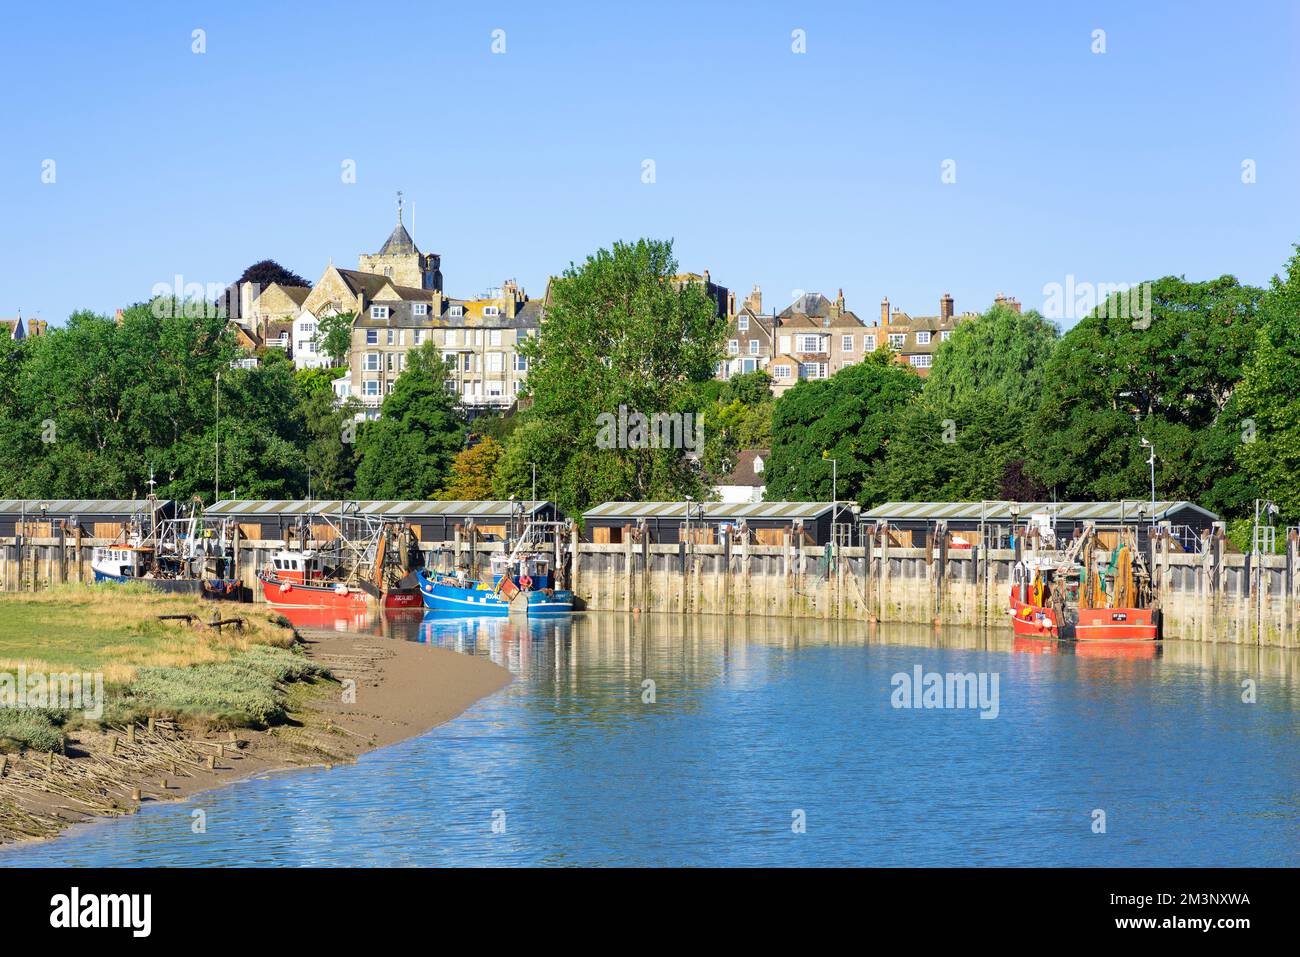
420, 309
923, 338
456, 312
491, 311
378, 312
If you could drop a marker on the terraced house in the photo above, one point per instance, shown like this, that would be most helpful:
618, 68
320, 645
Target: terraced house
815, 338
751, 338
915, 338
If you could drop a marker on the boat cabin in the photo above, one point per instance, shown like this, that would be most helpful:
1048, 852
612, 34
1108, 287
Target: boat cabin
533, 566
121, 561
299, 567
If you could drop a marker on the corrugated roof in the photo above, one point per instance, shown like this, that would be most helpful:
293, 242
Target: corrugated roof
377, 509
80, 506
1126, 510
713, 511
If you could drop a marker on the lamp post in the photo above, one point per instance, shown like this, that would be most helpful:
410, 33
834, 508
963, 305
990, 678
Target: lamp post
1151, 461
216, 483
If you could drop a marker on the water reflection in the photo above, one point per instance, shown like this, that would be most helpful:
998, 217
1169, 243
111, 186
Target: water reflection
661, 739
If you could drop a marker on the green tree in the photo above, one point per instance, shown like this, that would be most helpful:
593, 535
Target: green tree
334, 336
965, 439
472, 472
619, 332
850, 417
1113, 380
1267, 443
408, 452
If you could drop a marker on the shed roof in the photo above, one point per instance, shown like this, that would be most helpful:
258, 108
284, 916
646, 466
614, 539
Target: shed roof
1118, 511
395, 508
713, 511
78, 506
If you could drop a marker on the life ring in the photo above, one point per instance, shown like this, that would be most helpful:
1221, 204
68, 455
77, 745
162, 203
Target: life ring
525, 582
340, 589
284, 587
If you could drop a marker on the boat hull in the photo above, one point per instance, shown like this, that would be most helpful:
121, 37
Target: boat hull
485, 602
216, 589
286, 594
1094, 624
1118, 624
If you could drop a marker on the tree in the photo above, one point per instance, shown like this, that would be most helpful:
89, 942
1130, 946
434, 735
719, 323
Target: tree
100, 403
965, 438
472, 472
334, 336
1267, 443
408, 452
1169, 379
621, 339
262, 273
850, 417
738, 416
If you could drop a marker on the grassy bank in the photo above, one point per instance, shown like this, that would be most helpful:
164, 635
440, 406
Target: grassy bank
149, 667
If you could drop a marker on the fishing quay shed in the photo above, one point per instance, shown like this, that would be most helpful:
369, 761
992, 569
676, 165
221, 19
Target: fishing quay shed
709, 523
321, 520
49, 539
992, 523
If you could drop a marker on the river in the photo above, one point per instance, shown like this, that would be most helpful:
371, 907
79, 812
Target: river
777, 742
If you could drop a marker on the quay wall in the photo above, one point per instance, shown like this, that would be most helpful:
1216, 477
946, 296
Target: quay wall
1210, 596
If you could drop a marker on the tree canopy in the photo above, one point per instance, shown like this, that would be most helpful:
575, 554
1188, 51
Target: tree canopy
850, 418
407, 453
621, 338
1113, 381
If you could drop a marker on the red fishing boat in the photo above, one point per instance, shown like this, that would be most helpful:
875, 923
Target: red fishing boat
302, 579
1076, 598
352, 576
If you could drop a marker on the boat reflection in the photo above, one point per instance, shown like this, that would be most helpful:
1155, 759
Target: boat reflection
1126, 650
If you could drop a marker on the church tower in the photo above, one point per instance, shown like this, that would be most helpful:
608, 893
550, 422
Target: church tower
399, 260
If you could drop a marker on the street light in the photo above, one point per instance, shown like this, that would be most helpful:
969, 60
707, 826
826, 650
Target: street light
1152, 462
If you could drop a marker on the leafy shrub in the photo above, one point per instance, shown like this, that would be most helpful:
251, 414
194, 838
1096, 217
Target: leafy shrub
39, 729
243, 691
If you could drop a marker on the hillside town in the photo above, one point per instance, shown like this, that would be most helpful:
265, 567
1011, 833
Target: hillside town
397, 299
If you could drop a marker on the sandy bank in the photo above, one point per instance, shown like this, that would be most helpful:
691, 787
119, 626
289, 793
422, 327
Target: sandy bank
392, 690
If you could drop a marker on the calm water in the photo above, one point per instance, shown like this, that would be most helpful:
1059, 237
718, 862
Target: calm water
755, 723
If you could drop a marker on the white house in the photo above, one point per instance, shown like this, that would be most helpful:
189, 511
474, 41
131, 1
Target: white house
746, 482
307, 354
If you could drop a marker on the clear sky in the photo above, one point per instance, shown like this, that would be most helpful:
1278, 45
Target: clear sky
809, 171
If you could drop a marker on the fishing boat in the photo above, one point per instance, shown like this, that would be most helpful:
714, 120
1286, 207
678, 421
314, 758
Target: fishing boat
186, 556
1076, 598
350, 575
521, 582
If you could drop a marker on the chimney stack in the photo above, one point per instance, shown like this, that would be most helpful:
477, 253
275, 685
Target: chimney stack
839, 302
755, 299
945, 307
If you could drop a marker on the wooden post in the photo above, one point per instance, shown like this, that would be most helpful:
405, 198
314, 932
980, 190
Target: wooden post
574, 561
627, 572
884, 570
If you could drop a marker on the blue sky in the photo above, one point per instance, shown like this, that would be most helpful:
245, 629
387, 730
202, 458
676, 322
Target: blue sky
809, 171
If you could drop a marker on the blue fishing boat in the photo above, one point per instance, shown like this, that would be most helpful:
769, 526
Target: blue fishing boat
520, 584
